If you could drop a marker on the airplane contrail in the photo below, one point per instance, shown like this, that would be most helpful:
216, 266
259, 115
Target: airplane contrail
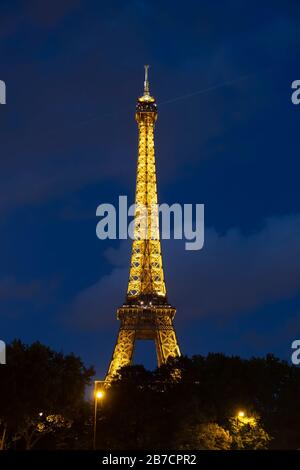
205, 90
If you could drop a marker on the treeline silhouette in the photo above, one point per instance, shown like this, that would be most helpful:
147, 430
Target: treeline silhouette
212, 402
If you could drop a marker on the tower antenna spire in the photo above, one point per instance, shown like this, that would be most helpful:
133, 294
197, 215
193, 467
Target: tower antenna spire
146, 81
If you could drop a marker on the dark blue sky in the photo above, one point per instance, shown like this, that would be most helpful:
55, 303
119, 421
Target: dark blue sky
227, 136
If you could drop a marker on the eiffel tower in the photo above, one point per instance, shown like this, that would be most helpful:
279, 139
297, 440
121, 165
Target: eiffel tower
146, 313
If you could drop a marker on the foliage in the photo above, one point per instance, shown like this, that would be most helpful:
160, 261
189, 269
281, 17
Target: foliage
35, 428
154, 410
188, 403
204, 436
39, 380
248, 433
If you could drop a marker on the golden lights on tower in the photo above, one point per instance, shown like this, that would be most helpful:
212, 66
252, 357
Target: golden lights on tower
146, 313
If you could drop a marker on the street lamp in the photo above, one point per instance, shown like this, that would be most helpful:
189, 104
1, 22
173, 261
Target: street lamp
98, 397
99, 394
240, 417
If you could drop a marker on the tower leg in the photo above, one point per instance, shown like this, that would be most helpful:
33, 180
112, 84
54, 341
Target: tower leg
123, 352
143, 324
166, 345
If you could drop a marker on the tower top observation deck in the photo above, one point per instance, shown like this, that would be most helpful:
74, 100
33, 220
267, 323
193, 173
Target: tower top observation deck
146, 103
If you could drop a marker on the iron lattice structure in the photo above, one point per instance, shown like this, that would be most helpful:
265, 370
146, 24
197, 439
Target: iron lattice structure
146, 313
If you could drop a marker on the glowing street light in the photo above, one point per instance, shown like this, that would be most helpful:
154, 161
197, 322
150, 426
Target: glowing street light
243, 418
240, 418
98, 397
99, 394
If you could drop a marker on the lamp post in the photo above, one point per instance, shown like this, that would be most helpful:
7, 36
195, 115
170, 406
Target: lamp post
98, 397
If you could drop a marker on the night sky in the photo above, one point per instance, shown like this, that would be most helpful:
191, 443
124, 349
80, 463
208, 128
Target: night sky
227, 136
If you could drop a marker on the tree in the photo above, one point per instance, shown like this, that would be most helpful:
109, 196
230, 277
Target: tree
247, 433
35, 428
163, 409
204, 436
187, 403
41, 392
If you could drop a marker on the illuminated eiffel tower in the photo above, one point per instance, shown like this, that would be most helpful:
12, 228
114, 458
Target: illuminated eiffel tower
146, 313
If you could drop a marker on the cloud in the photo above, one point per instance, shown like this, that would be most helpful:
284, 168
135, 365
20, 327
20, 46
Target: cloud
96, 306
49, 14
237, 273
12, 289
234, 274
278, 338
46, 16
35, 187
19, 298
